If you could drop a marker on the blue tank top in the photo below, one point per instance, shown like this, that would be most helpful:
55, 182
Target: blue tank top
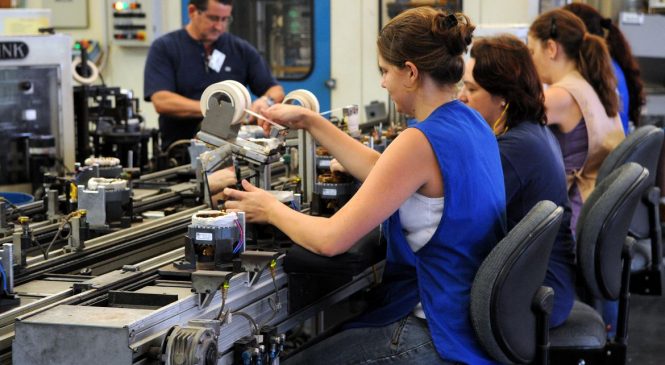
624, 96
440, 274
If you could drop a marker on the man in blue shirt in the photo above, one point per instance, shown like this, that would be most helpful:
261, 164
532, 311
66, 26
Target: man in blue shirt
182, 63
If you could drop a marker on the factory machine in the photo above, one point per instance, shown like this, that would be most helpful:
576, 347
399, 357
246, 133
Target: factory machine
191, 286
37, 127
641, 31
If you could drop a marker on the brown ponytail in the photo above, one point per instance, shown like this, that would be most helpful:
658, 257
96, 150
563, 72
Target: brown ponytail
619, 51
433, 40
587, 50
596, 67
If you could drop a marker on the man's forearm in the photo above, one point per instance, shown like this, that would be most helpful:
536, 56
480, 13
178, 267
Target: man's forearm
170, 103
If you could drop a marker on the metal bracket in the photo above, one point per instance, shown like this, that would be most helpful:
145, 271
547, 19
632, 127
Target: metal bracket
52, 201
254, 262
76, 242
205, 283
217, 121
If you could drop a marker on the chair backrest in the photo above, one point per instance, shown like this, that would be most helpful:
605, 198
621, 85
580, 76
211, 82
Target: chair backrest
643, 146
506, 282
603, 226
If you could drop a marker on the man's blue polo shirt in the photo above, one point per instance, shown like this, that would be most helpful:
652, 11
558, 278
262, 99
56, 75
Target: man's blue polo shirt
178, 63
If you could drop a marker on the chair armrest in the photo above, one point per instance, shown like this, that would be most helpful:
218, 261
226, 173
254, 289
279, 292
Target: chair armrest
543, 300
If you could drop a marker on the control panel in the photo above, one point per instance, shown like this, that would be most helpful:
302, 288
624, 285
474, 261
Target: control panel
134, 22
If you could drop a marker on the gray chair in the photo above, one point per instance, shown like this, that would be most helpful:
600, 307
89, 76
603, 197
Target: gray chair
643, 146
509, 307
604, 252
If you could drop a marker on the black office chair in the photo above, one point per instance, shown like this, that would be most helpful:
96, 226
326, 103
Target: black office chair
604, 252
509, 307
643, 146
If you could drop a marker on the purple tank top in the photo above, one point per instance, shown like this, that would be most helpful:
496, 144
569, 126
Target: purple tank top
574, 146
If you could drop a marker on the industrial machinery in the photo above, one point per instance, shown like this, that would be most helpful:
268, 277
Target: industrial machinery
213, 240
188, 287
109, 117
224, 106
107, 201
37, 129
331, 189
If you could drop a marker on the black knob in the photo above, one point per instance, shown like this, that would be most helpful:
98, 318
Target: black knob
25, 85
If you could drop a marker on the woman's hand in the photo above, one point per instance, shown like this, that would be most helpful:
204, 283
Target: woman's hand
291, 116
335, 166
259, 106
256, 203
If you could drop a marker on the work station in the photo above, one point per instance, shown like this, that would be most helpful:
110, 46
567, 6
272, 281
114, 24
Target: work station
256, 182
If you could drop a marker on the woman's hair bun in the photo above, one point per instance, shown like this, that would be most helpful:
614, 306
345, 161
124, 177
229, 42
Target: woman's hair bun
454, 29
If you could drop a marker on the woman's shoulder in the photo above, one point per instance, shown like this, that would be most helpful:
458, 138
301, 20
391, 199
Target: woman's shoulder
528, 136
558, 97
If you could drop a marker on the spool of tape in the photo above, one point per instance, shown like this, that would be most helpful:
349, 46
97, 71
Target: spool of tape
94, 72
284, 196
102, 161
214, 218
230, 91
108, 184
303, 97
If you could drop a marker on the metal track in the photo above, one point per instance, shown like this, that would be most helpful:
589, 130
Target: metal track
108, 246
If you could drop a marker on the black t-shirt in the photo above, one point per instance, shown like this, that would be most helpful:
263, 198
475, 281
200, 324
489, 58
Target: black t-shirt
178, 63
533, 171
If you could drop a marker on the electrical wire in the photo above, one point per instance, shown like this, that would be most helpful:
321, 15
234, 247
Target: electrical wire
251, 320
57, 235
224, 289
275, 305
241, 240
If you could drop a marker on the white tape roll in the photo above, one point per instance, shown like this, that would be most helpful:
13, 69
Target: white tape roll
102, 161
303, 97
214, 218
94, 72
283, 196
231, 91
108, 184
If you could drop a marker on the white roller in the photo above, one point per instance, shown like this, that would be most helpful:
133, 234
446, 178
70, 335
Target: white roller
214, 218
102, 161
94, 72
283, 196
237, 94
108, 184
304, 97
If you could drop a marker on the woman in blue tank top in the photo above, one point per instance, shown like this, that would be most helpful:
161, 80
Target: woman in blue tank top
450, 155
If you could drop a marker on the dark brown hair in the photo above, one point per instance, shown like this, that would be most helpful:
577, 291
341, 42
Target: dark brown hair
504, 68
203, 4
432, 39
587, 50
620, 52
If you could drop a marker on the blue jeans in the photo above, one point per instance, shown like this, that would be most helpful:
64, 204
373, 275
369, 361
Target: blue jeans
407, 341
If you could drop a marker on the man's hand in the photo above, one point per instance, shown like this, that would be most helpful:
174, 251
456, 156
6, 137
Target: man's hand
221, 179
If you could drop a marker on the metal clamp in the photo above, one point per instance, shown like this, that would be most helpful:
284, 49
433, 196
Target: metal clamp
254, 262
205, 283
